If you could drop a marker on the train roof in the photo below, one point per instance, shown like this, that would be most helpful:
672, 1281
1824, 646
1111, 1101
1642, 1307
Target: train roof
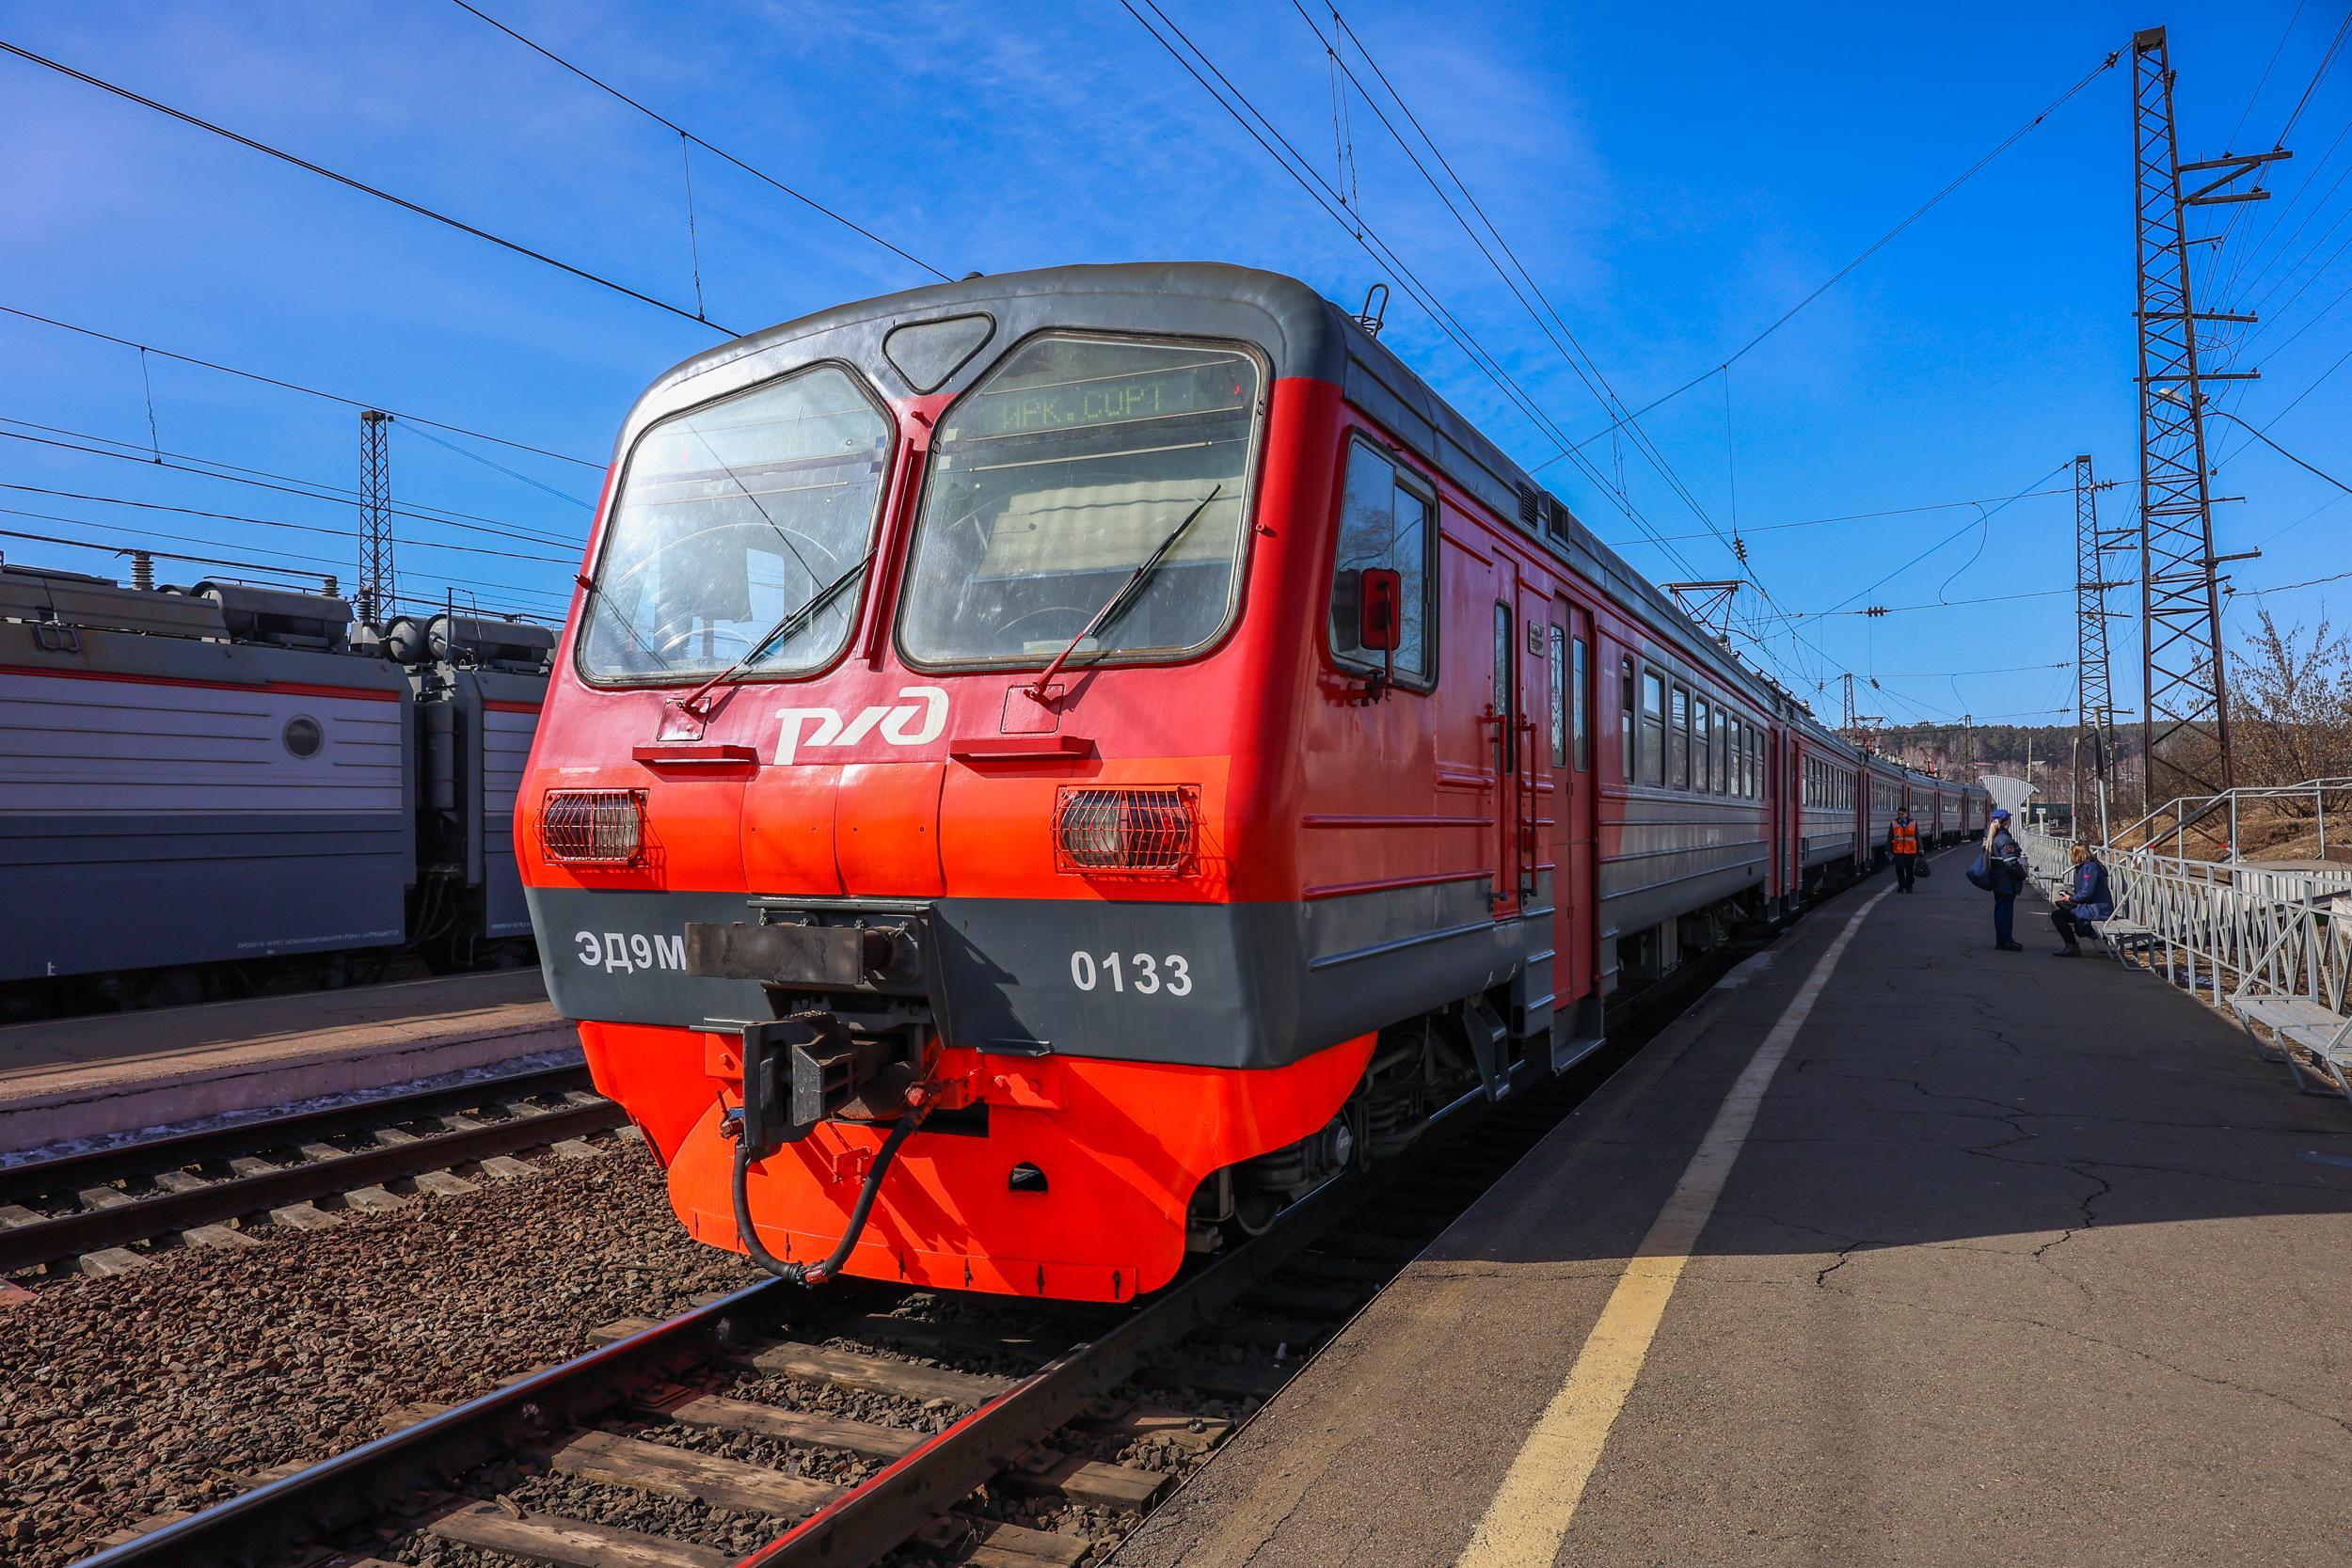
1303, 333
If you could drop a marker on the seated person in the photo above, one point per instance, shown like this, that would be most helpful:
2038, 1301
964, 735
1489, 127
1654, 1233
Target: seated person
2083, 903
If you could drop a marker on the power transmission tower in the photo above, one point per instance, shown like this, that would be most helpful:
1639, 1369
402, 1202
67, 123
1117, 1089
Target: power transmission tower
375, 587
2094, 690
1845, 707
2185, 716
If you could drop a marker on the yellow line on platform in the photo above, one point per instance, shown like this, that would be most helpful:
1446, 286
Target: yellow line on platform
1531, 1513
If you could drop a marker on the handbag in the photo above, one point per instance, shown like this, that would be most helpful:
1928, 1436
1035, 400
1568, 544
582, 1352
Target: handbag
1980, 874
1925, 869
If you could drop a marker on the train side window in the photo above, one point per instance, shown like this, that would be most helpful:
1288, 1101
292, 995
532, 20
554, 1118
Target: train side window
1701, 743
1384, 521
1735, 753
1654, 726
1559, 673
1631, 761
1679, 739
1580, 704
1715, 754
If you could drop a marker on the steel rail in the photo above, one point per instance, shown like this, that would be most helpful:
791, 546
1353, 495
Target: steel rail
94, 1167
351, 1487
886, 1510
91, 1231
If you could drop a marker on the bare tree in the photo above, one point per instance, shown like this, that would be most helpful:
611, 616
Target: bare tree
2291, 704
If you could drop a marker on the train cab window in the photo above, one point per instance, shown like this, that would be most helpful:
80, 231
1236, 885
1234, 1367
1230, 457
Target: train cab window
1654, 726
1557, 670
1679, 737
1384, 521
1579, 704
1631, 761
1086, 485
738, 534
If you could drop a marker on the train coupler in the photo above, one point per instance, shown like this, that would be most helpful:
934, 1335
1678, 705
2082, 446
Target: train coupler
799, 1070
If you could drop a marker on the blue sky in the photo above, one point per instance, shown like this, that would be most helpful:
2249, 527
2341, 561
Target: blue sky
1675, 177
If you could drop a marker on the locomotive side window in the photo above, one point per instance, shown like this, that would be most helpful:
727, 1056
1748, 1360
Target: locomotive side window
1654, 726
1559, 673
1384, 521
1579, 718
1086, 488
739, 535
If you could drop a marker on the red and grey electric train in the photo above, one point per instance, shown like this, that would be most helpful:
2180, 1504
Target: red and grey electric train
1047, 769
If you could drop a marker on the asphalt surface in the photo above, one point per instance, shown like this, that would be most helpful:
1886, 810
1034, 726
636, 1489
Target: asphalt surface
2024, 1260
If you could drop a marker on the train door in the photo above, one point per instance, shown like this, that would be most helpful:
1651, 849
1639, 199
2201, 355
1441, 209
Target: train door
1793, 793
1774, 812
1511, 845
1575, 886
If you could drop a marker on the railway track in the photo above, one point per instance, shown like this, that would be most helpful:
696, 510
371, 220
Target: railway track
781, 1427
90, 1210
773, 1428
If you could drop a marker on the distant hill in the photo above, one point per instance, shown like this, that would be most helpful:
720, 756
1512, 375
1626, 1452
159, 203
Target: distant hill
1999, 749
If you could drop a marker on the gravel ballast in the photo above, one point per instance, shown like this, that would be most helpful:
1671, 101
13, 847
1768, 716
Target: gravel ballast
169, 1386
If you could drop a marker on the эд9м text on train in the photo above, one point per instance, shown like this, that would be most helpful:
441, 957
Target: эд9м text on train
1046, 769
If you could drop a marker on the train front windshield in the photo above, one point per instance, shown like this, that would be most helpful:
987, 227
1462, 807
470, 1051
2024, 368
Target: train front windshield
742, 534
1073, 463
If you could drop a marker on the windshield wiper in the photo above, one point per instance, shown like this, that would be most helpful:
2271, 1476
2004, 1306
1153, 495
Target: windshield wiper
595, 592
776, 635
1128, 591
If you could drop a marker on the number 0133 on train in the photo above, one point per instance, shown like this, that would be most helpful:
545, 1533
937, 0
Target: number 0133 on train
1047, 770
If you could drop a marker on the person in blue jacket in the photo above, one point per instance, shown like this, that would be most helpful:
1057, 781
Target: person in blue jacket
2004, 868
2084, 903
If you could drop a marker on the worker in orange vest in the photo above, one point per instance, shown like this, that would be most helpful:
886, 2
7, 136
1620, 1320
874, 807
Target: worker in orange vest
1902, 844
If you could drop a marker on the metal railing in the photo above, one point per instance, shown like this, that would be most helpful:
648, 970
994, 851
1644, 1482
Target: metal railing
2241, 935
2168, 827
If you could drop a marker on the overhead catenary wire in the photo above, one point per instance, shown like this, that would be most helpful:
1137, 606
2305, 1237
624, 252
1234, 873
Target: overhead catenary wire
1902, 510
1319, 190
1578, 358
511, 474
275, 522
515, 247
319, 493
1874, 248
755, 172
295, 387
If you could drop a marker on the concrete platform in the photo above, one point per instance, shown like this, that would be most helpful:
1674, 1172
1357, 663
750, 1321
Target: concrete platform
85, 1077
2010, 1260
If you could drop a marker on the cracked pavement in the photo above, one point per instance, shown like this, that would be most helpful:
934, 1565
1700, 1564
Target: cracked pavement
2023, 1262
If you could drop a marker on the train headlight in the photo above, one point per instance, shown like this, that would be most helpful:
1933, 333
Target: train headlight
594, 827
1134, 831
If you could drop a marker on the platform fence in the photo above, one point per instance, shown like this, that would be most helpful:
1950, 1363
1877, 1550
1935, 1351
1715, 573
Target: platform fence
2269, 945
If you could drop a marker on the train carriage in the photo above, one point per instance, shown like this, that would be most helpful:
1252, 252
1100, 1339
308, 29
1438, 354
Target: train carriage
1046, 769
320, 791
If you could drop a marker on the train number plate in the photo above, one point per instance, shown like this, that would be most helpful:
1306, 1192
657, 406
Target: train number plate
1145, 973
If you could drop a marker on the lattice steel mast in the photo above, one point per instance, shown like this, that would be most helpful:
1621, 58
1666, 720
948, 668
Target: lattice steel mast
2095, 689
375, 585
2184, 715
